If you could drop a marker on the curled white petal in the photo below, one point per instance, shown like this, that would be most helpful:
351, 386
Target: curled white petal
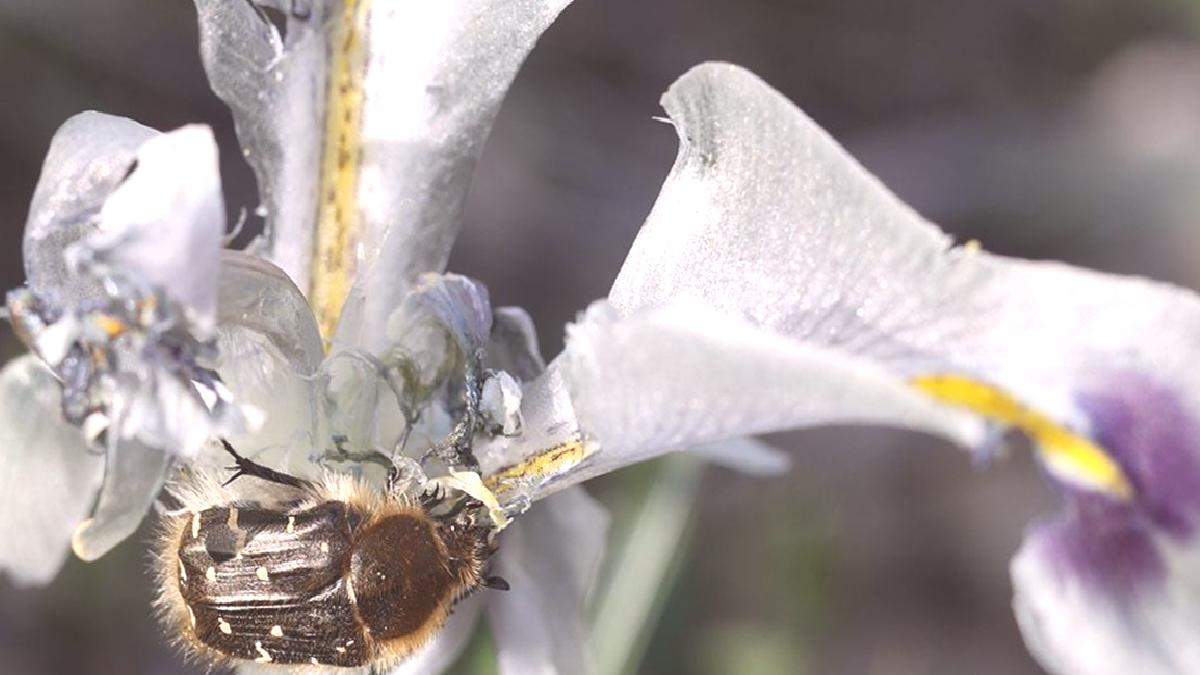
133, 475
89, 157
48, 476
766, 217
164, 225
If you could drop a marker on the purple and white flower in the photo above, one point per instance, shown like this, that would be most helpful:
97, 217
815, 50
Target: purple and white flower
774, 285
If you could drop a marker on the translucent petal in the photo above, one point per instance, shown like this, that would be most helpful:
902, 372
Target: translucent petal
444, 318
48, 478
549, 557
514, 344
164, 225
269, 351
276, 97
684, 375
89, 156
434, 92
444, 649
133, 476
765, 216
260, 297
433, 76
456, 303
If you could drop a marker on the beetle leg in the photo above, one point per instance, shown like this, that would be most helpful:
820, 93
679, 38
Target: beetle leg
495, 583
246, 467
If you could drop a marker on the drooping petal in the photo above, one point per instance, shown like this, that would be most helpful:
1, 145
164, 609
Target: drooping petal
1113, 585
133, 476
368, 116
549, 557
163, 227
89, 157
48, 476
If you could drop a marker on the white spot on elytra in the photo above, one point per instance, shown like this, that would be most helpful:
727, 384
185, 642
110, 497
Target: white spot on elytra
324, 547
340, 650
264, 655
261, 573
210, 573
182, 572
195, 524
224, 626
277, 630
314, 661
240, 543
291, 526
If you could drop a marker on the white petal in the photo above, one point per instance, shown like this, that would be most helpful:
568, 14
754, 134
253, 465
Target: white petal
269, 352
133, 476
672, 378
747, 455
444, 649
433, 76
260, 297
434, 92
88, 158
766, 217
276, 98
1076, 629
48, 478
549, 556
164, 225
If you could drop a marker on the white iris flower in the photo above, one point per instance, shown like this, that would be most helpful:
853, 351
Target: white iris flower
775, 285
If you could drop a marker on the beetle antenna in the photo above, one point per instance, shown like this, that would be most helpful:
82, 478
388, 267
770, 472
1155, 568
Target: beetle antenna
246, 467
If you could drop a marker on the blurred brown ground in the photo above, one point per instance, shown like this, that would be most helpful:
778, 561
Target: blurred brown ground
1044, 128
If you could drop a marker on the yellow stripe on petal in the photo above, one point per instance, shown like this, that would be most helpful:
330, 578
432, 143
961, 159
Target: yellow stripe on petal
1066, 454
543, 465
338, 217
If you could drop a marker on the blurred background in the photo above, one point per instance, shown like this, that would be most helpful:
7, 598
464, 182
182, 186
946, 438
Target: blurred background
1062, 129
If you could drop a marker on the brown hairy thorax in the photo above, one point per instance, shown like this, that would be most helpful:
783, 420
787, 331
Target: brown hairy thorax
318, 576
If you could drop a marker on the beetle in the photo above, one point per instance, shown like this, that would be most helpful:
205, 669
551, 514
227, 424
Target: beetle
332, 573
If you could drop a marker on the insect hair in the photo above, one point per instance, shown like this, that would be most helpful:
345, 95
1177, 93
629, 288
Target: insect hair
196, 491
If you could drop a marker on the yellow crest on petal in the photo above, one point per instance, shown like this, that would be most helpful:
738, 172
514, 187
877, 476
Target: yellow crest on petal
1066, 454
